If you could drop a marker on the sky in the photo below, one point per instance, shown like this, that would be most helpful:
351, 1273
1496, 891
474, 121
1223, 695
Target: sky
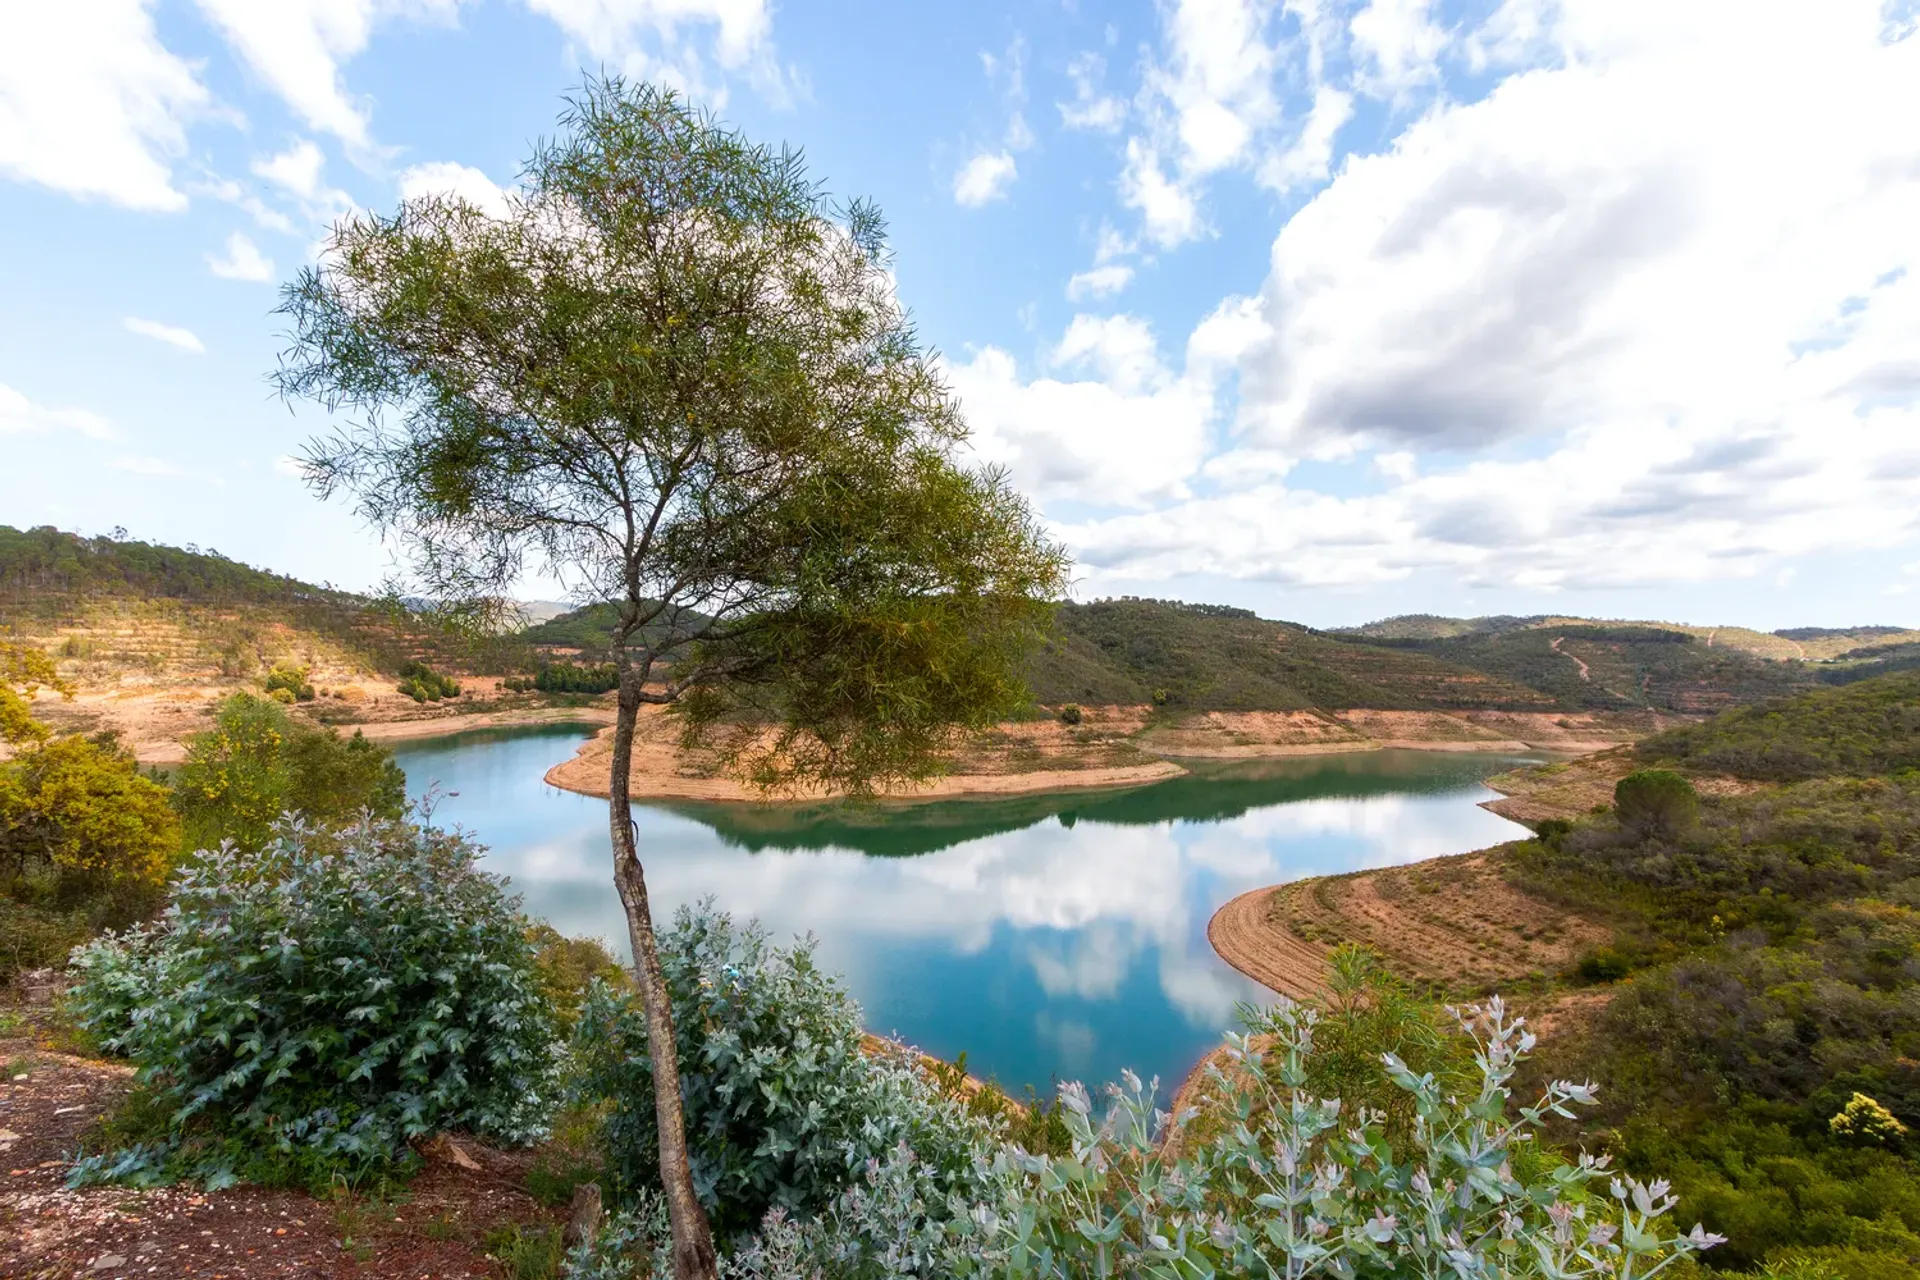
1331, 309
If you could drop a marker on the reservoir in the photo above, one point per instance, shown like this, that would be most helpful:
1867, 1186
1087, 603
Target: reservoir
1050, 937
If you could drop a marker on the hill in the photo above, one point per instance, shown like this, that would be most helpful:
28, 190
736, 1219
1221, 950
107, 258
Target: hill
115, 607
1799, 644
1864, 729
1615, 667
1213, 658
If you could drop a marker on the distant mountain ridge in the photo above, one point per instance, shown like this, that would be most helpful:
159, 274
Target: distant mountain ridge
1187, 658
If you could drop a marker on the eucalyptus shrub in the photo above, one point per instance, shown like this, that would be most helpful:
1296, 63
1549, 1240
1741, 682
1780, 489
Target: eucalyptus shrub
785, 1098
303, 1012
1292, 1188
1281, 1183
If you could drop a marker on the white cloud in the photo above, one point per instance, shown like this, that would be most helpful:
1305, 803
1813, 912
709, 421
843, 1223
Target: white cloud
1167, 208
674, 41
1398, 45
1685, 317
984, 179
1092, 106
1127, 432
241, 261
443, 177
297, 47
1309, 158
297, 169
172, 335
1099, 282
21, 416
91, 104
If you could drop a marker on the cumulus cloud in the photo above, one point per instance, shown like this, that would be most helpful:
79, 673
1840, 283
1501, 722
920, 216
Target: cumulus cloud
1099, 282
1646, 331
21, 416
984, 179
443, 177
1398, 45
679, 42
91, 104
299, 173
242, 260
297, 47
172, 335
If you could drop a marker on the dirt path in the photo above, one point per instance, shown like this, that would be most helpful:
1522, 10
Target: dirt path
1585, 673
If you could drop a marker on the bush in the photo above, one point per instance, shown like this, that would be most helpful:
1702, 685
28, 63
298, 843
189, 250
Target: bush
82, 830
1655, 802
302, 1013
566, 677
785, 1105
291, 681
423, 684
1297, 1185
258, 763
1070, 714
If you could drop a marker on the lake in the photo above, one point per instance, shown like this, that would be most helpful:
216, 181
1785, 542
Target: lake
1058, 936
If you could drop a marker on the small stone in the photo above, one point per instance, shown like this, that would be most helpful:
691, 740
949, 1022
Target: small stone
8, 1135
106, 1260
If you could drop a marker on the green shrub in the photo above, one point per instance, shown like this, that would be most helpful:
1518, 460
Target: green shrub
258, 763
291, 681
784, 1104
567, 677
423, 684
1655, 802
1070, 714
303, 1012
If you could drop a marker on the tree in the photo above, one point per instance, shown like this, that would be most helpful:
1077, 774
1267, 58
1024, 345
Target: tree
258, 762
76, 817
1655, 802
675, 375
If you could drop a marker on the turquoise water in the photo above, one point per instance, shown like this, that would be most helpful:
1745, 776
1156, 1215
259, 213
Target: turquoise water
1050, 937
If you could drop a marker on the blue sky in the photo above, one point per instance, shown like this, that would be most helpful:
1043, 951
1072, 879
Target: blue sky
1329, 308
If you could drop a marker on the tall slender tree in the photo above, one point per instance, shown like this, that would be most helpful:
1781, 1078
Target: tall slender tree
672, 373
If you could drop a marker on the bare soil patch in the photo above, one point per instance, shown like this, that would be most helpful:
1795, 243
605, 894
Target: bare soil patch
1226, 735
437, 1227
1014, 758
1450, 923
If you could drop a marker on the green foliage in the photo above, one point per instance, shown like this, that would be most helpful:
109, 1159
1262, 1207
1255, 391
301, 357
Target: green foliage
24, 668
805, 544
567, 967
35, 935
1208, 658
527, 1252
567, 677
784, 1102
76, 811
1070, 714
423, 684
1613, 667
1300, 1185
1860, 730
258, 763
291, 681
1863, 1119
305, 1011
1656, 802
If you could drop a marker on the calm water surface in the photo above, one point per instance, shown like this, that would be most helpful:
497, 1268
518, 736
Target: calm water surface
1050, 937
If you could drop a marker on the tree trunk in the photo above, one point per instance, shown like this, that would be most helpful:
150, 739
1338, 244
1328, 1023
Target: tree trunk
693, 1256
